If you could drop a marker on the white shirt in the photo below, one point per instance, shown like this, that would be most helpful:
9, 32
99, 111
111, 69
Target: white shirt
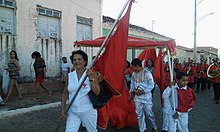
168, 97
142, 80
82, 102
65, 67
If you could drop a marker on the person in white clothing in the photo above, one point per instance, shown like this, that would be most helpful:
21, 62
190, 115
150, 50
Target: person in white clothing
81, 111
178, 104
165, 114
65, 69
141, 85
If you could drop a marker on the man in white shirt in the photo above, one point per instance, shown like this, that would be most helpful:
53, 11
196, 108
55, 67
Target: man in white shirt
65, 69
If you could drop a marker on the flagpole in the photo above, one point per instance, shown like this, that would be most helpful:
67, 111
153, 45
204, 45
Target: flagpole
171, 79
94, 60
110, 32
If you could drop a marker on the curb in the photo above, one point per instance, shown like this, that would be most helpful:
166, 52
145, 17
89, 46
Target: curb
11, 113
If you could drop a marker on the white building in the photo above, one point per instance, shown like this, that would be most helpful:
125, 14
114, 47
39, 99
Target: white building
49, 27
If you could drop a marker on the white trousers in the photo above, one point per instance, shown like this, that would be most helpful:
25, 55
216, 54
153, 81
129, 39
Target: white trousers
165, 119
143, 109
88, 118
181, 124
64, 75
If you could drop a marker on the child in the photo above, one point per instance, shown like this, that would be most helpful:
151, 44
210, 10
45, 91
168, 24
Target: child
184, 98
141, 85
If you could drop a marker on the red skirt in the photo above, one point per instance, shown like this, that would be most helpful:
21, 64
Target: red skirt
39, 80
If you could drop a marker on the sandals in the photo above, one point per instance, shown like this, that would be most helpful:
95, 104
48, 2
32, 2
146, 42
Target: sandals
50, 93
19, 98
36, 99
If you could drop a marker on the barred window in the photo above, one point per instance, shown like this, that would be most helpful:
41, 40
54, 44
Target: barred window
7, 17
49, 23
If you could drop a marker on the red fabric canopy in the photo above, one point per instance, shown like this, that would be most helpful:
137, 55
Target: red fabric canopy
133, 42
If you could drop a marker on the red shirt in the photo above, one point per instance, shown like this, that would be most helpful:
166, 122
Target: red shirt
178, 66
217, 79
191, 72
186, 99
201, 70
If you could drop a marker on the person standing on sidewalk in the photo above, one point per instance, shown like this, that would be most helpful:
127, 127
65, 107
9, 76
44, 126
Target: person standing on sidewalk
65, 69
13, 69
141, 85
40, 69
81, 111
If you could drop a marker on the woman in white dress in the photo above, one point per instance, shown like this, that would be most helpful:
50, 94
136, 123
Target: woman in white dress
81, 111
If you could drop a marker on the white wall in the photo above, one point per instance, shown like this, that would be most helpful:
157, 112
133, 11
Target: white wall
26, 30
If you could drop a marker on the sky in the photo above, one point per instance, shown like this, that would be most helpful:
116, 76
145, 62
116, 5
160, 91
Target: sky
174, 19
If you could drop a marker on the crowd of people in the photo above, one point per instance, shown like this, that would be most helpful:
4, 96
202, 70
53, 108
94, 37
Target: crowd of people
13, 68
202, 75
188, 78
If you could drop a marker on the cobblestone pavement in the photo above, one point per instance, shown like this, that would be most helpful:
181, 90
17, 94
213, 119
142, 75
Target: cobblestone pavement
204, 117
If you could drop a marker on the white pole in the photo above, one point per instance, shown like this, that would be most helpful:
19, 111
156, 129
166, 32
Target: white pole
194, 35
171, 79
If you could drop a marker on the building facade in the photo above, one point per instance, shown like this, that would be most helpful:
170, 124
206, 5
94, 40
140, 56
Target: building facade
49, 27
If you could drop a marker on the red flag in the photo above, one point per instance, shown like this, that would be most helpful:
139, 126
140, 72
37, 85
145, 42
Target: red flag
159, 73
147, 54
112, 63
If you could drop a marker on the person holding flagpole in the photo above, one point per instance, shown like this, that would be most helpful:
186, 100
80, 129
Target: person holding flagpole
81, 111
141, 85
184, 99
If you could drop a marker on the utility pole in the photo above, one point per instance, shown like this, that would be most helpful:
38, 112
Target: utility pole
195, 28
195, 24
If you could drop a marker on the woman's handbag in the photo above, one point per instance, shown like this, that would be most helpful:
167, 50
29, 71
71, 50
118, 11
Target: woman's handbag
106, 93
5, 81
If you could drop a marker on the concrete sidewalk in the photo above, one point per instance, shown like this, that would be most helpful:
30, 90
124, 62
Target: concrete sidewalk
27, 104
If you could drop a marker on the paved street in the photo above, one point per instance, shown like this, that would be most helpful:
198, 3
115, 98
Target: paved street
205, 117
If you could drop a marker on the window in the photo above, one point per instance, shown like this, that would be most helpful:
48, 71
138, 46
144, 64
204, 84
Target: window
7, 3
7, 17
49, 23
84, 28
84, 32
